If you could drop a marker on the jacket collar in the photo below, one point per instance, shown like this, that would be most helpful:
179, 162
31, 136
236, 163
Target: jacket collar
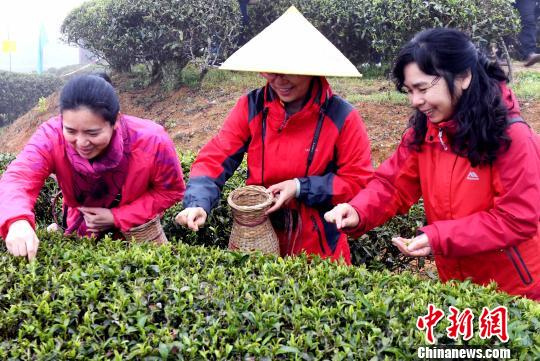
440, 132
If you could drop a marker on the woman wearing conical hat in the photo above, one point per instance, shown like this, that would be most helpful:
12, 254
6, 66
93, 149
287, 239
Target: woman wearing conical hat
307, 145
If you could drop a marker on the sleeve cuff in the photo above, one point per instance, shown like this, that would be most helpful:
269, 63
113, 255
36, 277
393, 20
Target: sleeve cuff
298, 186
5, 228
304, 187
117, 224
432, 233
204, 205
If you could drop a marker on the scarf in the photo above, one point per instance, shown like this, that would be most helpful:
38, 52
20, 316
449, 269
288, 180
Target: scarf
98, 183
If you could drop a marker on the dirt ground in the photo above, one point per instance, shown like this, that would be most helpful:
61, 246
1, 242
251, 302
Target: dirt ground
192, 116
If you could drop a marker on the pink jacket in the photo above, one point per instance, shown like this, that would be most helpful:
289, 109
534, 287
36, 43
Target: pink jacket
153, 183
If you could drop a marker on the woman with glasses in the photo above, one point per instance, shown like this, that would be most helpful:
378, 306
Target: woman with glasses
115, 171
471, 157
307, 145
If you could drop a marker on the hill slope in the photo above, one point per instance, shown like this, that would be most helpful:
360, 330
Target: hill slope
192, 115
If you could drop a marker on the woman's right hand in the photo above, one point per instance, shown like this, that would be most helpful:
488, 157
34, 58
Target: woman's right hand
343, 215
192, 217
21, 239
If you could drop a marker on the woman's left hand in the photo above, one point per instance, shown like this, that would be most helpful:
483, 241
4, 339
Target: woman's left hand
97, 219
284, 192
415, 247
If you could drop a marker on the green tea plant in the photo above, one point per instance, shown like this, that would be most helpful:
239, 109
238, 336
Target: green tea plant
42, 105
373, 31
373, 249
88, 299
48, 203
163, 35
166, 35
20, 92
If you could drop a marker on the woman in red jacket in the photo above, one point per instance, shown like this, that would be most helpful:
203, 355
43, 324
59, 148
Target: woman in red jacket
115, 171
307, 145
469, 154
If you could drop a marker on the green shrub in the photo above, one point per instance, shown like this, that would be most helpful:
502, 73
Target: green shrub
84, 299
155, 33
168, 34
20, 92
367, 30
218, 227
5, 159
43, 209
373, 249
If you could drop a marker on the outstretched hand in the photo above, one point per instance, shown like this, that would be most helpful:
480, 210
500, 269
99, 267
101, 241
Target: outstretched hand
416, 247
21, 240
192, 217
343, 215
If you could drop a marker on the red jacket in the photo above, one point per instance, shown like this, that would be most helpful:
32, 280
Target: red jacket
483, 222
278, 149
153, 183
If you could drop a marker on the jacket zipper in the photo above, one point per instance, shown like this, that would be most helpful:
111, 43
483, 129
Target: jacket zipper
283, 123
526, 280
441, 140
316, 228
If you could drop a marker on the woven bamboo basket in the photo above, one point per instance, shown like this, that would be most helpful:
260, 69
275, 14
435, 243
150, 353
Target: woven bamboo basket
252, 230
151, 231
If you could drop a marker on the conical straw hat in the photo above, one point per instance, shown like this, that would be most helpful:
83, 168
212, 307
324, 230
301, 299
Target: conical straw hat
291, 45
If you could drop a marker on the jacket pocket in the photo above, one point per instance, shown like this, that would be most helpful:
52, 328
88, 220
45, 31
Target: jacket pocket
520, 266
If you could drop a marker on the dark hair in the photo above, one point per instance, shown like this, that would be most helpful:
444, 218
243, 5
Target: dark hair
104, 76
480, 111
93, 91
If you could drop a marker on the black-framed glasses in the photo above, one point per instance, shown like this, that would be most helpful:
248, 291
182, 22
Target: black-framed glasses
272, 76
433, 82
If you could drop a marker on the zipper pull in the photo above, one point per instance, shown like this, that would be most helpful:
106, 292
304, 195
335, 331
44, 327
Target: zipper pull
283, 123
441, 140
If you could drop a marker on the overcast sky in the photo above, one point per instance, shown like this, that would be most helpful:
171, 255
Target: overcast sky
22, 19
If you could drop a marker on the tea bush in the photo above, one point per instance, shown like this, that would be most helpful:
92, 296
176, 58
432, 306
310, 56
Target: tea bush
20, 92
166, 35
373, 249
84, 299
160, 34
43, 208
367, 30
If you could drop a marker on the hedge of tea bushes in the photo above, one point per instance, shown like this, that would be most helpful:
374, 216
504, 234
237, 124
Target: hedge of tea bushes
84, 299
43, 208
373, 249
19, 92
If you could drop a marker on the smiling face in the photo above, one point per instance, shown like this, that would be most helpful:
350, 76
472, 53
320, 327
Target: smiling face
289, 88
430, 95
88, 132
